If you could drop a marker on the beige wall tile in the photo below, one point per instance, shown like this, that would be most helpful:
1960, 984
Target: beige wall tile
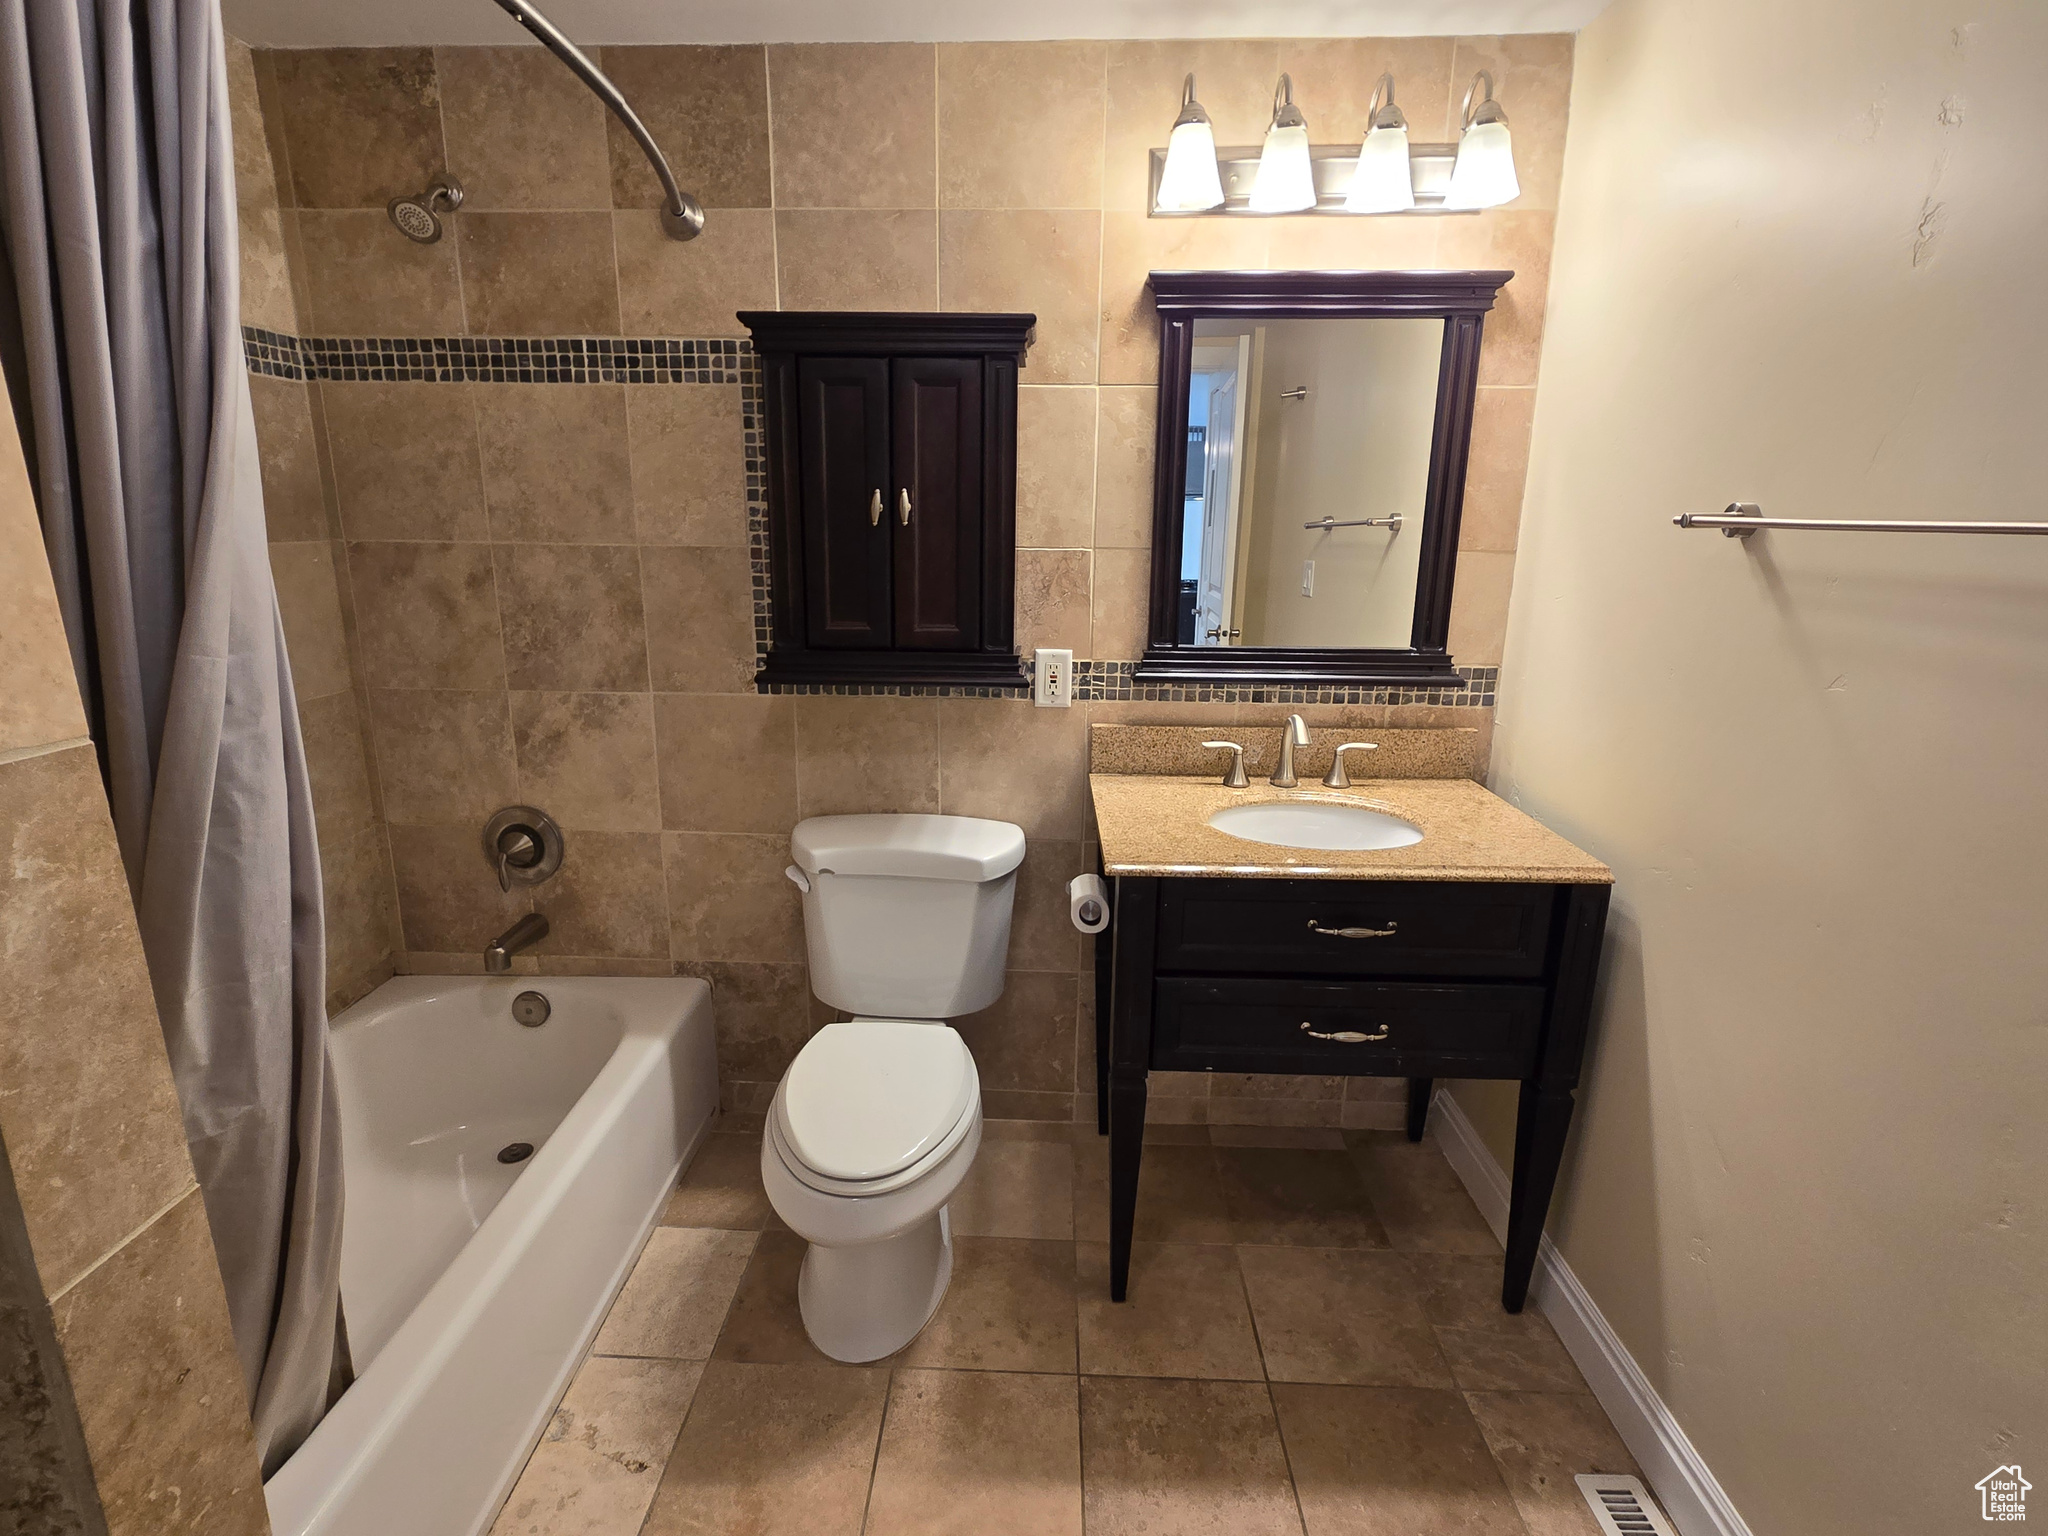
609, 899
522, 131
363, 278
337, 761
363, 124
1334, 79
573, 617
159, 1389
677, 288
405, 460
448, 896
866, 754
1053, 599
1025, 1039
555, 465
1004, 759
764, 1016
1046, 264
588, 759
538, 274
708, 110
700, 620
1134, 246
1479, 607
310, 605
94, 1136
853, 125
40, 702
1055, 467
728, 762
1496, 469
361, 903
428, 615
1020, 125
857, 259
443, 756
294, 501
1125, 443
689, 464
1511, 240
1532, 80
1121, 604
271, 102
265, 275
1234, 80
1399, 241
728, 898
1042, 935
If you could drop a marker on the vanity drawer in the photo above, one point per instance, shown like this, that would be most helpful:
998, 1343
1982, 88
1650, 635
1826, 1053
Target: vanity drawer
1354, 927
1412, 1030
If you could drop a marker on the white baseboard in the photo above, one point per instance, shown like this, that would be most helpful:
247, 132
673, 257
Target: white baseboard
1674, 1469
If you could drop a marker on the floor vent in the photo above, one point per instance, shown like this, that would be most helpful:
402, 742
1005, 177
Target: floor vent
1623, 1506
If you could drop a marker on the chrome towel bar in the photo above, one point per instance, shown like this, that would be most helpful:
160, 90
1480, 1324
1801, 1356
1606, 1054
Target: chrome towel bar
1745, 517
1392, 520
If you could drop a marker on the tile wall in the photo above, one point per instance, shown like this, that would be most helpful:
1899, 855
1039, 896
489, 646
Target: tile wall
528, 591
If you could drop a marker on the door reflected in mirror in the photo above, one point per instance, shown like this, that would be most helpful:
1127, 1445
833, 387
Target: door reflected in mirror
1307, 480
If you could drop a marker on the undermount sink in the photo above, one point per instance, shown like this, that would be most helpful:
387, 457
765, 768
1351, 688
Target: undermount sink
1315, 824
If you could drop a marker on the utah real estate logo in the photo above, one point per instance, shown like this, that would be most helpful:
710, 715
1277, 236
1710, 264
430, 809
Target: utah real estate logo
2005, 1494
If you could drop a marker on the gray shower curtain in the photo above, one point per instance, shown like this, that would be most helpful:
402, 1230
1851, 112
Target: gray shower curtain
119, 218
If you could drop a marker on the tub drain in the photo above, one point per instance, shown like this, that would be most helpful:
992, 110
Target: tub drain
516, 1152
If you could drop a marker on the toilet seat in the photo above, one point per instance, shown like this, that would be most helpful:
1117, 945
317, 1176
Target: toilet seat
870, 1105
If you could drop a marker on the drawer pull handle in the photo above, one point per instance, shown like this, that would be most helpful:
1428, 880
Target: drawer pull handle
1352, 933
1342, 1036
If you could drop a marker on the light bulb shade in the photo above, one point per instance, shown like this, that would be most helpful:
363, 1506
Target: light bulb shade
1484, 173
1285, 183
1190, 182
1382, 183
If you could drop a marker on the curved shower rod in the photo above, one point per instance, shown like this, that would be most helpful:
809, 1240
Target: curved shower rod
682, 216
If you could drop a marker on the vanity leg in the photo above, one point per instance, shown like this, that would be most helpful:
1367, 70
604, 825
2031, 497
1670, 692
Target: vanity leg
1105, 954
1540, 1125
1126, 1146
1418, 1105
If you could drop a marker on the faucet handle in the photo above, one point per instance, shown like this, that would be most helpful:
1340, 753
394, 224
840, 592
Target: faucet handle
1235, 778
1337, 778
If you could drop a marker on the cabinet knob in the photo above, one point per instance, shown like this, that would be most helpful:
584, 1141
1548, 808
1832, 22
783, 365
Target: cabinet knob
903, 507
875, 508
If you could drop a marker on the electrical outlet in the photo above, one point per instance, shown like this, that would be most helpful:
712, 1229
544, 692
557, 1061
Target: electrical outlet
1052, 679
1308, 578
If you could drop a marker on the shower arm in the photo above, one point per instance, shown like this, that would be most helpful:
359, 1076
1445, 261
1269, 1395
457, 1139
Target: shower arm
682, 216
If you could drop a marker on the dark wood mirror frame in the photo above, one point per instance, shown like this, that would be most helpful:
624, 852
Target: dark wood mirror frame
1461, 300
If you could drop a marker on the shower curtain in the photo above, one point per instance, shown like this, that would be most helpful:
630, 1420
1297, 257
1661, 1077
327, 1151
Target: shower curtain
118, 209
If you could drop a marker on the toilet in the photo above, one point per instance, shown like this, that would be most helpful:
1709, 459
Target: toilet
876, 1122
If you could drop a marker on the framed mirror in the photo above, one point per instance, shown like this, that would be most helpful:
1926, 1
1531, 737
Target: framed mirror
1309, 474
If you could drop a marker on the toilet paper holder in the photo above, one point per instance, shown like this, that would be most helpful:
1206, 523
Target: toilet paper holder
1088, 903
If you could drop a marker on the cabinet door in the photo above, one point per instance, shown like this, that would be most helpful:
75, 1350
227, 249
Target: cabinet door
936, 505
843, 431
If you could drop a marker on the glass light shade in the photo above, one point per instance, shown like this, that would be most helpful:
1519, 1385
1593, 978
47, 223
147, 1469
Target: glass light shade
1190, 182
1382, 183
1484, 173
1284, 183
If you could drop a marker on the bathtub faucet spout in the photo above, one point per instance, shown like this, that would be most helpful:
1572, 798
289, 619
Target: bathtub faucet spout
528, 931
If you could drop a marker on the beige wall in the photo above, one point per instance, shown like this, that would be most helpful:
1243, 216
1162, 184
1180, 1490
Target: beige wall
1807, 1183
550, 583
88, 1113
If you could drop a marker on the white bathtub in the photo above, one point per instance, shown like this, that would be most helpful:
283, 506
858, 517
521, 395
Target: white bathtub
472, 1287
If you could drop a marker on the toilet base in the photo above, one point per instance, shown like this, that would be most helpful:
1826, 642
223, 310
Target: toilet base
863, 1302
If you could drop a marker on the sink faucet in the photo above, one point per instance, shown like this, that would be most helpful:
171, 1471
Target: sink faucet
529, 930
1293, 734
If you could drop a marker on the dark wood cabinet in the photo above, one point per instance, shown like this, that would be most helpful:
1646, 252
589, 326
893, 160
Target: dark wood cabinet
892, 447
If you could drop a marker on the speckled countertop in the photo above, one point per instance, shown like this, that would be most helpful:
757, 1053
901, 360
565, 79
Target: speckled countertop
1157, 824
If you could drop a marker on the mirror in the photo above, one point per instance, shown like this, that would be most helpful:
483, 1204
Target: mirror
1312, 439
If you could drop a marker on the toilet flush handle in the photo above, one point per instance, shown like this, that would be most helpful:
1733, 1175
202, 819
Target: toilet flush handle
798, 879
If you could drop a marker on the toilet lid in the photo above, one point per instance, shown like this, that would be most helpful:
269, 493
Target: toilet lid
868, 1098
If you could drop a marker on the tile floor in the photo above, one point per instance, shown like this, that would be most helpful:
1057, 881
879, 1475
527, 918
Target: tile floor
1313, 1345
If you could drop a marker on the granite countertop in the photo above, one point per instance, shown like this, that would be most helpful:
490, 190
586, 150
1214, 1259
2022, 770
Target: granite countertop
1157, 824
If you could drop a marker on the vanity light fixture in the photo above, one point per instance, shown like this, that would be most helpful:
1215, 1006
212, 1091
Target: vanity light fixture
1286, 182
1484, 175
1190, 183
1382, 182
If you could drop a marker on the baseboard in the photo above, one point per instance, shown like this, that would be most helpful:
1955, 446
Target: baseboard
1673, 1467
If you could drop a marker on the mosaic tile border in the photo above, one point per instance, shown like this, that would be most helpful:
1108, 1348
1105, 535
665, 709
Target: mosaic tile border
677, 360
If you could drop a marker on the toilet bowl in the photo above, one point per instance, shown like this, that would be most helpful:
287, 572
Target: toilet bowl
878, 1119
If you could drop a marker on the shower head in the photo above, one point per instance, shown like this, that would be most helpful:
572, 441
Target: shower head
417, 218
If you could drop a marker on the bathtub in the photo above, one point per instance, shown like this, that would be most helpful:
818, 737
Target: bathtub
472, 1286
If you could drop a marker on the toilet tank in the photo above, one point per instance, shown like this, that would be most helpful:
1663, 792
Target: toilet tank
907, 916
